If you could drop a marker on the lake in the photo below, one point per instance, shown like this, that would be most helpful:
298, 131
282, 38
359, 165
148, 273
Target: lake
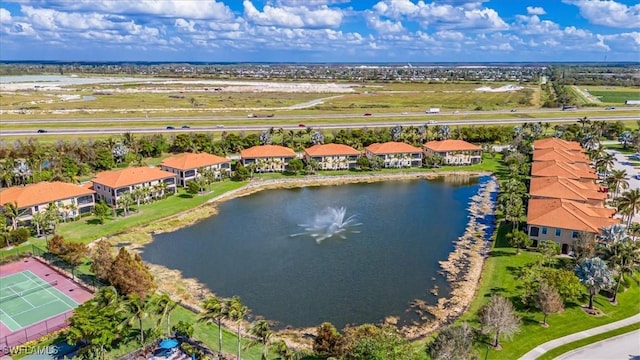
389, 255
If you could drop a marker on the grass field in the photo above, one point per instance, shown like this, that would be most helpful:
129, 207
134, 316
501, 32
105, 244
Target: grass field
500, 276
614, 95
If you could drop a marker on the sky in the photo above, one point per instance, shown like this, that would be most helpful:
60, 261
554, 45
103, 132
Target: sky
320, 30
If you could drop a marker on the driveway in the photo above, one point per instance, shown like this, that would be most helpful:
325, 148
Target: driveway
622, 162
623, 347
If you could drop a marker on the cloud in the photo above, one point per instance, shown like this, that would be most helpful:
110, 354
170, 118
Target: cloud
384, 26
535, 10
443, 16
5, 16
190, 9
608, 13
293, 17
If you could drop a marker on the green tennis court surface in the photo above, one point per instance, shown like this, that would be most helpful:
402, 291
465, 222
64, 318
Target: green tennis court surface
26, 299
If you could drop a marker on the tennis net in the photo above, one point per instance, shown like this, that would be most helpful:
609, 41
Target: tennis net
16, 295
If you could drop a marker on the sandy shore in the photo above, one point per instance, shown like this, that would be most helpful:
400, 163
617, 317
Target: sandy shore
469, 252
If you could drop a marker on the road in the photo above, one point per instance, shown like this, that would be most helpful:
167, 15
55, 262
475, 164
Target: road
370, 124
623, 347
212, 118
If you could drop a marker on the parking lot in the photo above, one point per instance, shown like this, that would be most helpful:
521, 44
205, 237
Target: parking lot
623, 162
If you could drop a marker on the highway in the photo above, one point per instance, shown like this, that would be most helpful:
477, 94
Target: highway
263, 115
233, 128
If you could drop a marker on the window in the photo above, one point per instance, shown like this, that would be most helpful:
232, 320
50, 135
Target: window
545, 231
574, 235
36, 208
533, 231
558, 232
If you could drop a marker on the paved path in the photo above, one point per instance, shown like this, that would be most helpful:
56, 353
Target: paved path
541, 349
622, 347
622, 162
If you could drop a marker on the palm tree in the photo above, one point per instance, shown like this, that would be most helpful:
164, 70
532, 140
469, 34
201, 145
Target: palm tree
618, 180
138, 196
40, 221
72, 208
53, 215
629, 204
162, 188
237, 311
137, 308
164, 306
261, 330
12, 212
605, 163
215, 310
125, 201
583, 121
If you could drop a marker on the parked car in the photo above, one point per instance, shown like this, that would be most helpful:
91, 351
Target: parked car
41, 131
170, 128
186, 127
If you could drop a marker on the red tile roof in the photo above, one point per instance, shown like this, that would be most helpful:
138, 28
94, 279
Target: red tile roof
563, 188
560, 155
570, 215
42, 193
562, 169
451, 145
130, 176
265, 151
189, 161
555, 143
392, 147
331, 150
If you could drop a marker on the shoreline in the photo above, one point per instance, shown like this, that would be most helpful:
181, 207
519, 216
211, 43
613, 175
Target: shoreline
191, 292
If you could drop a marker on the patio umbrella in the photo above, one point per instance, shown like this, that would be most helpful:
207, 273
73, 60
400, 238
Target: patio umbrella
168, 343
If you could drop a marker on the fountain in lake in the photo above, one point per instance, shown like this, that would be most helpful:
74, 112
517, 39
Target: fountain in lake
328, 223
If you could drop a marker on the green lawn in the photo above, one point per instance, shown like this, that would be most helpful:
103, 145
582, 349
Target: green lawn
500, 276
590, 340
617, 97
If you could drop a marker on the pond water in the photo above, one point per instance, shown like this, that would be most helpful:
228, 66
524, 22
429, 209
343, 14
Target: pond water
275, 250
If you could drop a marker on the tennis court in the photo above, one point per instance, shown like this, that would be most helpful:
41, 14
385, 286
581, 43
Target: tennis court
26, 299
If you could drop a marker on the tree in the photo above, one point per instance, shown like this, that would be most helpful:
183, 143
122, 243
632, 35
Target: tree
317, 138
164, 306
595, 275
371, 342
629, 204
74, 253
618, 180
548, 249
137, 309
261, 330
12, 212
453, 343
96, 322
240, 172
295, 165
548, 300
101, 260
130, 275
518, 239
282, 349
237, 311
193, 187
125, 201
138, 195
101, 210
585, 245
327, 341
626, 138
215, 309
40, 221
499, 318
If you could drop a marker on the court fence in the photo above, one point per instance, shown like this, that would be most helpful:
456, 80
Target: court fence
34, 332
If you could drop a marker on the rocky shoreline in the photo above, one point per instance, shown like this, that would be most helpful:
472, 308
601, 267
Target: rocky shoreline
470, 249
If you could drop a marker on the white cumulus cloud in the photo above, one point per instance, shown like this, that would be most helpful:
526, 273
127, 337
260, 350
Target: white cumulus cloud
608, 13
535, 10
293, 17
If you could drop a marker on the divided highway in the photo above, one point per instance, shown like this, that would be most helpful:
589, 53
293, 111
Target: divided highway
369, 124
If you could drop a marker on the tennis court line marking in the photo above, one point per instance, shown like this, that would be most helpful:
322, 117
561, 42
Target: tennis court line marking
55, 295
23, 298
36, 307
15, 322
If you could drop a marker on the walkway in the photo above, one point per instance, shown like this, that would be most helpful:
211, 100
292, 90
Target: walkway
622, 162
623, 347
549, 345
